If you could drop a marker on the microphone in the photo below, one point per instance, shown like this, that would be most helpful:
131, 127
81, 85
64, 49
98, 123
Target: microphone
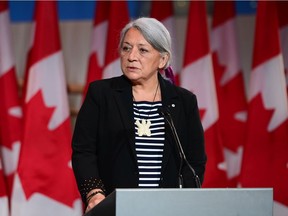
165, 112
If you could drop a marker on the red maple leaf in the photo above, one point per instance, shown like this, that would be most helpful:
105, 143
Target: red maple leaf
214, 177
10, 126
45, 155
265, 153
231, 100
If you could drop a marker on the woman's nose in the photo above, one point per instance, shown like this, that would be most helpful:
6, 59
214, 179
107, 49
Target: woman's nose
132, 56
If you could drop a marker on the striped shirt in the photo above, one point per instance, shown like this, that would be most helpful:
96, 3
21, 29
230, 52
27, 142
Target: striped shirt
149, 149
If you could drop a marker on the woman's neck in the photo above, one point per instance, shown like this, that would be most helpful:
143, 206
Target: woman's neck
147, 92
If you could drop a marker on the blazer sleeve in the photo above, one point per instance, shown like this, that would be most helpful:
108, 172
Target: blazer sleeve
84, 144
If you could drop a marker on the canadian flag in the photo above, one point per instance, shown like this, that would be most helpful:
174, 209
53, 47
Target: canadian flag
44, 183
118, 18
229, 85
164, 12
98, 45
10, 110
283, 23
197, 76
4, 206
265, 158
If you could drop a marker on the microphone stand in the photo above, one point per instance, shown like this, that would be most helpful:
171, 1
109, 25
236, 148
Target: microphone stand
167, 116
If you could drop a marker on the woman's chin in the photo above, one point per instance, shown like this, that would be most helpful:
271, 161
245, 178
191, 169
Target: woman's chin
132, 76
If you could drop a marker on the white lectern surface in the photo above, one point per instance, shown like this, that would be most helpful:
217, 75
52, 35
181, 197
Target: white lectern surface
198, 202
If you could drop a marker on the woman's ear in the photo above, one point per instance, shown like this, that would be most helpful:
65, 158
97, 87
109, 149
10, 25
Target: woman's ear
163, 60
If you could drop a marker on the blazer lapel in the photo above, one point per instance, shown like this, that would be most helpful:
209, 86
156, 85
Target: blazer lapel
170, 100
123, 98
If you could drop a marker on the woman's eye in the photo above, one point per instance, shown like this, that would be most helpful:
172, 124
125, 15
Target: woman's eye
143, 50
125, 48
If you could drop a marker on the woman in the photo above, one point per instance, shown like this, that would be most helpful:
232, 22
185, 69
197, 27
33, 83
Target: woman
120, 138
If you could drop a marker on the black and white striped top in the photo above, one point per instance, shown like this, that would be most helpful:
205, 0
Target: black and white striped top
149, 149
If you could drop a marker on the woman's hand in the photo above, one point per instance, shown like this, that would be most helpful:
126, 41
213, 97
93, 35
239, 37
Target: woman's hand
94, 200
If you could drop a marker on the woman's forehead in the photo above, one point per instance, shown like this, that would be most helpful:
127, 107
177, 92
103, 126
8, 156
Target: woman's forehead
134, 36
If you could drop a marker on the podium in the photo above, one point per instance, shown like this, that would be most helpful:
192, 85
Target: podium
186, 202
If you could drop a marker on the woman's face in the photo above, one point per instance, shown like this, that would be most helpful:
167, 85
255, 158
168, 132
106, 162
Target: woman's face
139, 60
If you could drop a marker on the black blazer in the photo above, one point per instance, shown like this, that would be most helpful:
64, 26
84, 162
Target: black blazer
104, 137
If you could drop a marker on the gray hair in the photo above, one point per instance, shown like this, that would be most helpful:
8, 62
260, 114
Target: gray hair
154, 32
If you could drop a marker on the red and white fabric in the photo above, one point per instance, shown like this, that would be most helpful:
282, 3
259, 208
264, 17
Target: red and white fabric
164, 12
265, 158
4, 204
98, 44
197, 76
229, 85
283, 24
10, 110
118, 18
44, 183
